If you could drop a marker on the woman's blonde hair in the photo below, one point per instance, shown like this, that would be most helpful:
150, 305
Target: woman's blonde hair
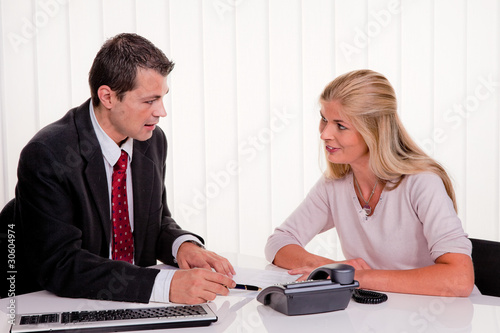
369, 104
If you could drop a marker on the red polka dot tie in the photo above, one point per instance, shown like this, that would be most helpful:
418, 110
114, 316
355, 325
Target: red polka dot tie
123, 241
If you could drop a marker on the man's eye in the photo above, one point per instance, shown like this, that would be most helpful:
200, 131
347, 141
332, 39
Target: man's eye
151, 101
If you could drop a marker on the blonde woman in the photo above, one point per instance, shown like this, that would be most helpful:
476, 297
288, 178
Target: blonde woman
393, 206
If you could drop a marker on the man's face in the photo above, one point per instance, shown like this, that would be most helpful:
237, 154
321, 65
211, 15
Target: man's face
140, 109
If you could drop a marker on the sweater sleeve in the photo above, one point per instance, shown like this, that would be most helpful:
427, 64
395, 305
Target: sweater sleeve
311, 217
441, 225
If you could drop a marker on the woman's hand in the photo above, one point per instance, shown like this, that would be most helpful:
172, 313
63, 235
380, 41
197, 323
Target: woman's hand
358, 264
305, 271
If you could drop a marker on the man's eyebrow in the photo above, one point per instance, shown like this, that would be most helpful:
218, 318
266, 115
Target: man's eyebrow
155, 96
151, 97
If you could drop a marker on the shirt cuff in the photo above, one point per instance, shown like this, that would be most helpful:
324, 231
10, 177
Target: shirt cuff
161, 286
178, 242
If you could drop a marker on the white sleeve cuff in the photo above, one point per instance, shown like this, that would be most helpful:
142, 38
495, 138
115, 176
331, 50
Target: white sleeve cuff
179, 241
161, 286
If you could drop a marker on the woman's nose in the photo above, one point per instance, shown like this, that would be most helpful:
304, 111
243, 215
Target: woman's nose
327, 133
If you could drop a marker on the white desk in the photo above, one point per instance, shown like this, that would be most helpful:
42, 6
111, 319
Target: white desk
401, 313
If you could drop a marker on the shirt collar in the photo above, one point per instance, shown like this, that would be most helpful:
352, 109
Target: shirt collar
110, 150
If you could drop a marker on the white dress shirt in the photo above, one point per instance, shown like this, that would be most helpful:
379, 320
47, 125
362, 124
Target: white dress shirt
111, 153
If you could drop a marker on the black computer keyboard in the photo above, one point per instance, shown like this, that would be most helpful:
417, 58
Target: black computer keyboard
116, 320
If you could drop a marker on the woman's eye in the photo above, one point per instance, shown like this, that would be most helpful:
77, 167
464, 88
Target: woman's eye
341, 127
323, 119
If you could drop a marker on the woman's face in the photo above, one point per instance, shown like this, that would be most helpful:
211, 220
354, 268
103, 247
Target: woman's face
342, 142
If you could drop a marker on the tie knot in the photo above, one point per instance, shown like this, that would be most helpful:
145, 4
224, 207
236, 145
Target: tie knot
121, 165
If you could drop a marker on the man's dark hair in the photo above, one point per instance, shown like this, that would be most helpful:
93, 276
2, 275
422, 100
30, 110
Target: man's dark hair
118, 60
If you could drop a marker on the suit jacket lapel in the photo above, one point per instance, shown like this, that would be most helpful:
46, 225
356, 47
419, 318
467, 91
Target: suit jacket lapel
94, 171
142, 181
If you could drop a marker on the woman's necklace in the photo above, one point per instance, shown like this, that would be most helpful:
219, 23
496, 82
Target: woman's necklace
367, 208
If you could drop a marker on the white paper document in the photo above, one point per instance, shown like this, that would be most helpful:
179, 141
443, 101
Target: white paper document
261, 278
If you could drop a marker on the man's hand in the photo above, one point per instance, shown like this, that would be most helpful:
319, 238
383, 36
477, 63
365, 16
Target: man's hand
198, 285
191, 255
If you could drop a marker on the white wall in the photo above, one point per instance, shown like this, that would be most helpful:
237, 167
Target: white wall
243, 114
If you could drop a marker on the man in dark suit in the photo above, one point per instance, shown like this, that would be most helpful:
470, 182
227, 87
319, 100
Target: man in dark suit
65, 197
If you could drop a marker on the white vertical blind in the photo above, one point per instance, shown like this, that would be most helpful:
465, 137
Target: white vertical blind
242, 120
285, 77
482, 116
318, 68
19, 85
221, 119
254, 113
4, 180
448, 137
188, 140
85, 21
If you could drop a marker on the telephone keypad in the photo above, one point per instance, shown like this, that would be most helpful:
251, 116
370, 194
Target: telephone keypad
307, 283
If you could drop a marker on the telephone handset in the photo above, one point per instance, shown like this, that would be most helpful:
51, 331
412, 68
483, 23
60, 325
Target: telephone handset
318, 294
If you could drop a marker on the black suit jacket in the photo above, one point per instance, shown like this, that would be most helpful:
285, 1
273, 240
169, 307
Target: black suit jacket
63, 214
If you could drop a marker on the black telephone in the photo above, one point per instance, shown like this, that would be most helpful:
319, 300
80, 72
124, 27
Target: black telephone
317, 294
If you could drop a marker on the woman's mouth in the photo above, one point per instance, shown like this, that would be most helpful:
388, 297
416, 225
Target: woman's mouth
331, 149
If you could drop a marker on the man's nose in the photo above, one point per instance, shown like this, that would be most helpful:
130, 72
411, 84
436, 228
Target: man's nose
160, 110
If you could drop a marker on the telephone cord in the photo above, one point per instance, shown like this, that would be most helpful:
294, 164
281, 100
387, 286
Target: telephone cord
368, 297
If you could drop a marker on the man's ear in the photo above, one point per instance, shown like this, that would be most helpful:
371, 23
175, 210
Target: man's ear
106, 96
